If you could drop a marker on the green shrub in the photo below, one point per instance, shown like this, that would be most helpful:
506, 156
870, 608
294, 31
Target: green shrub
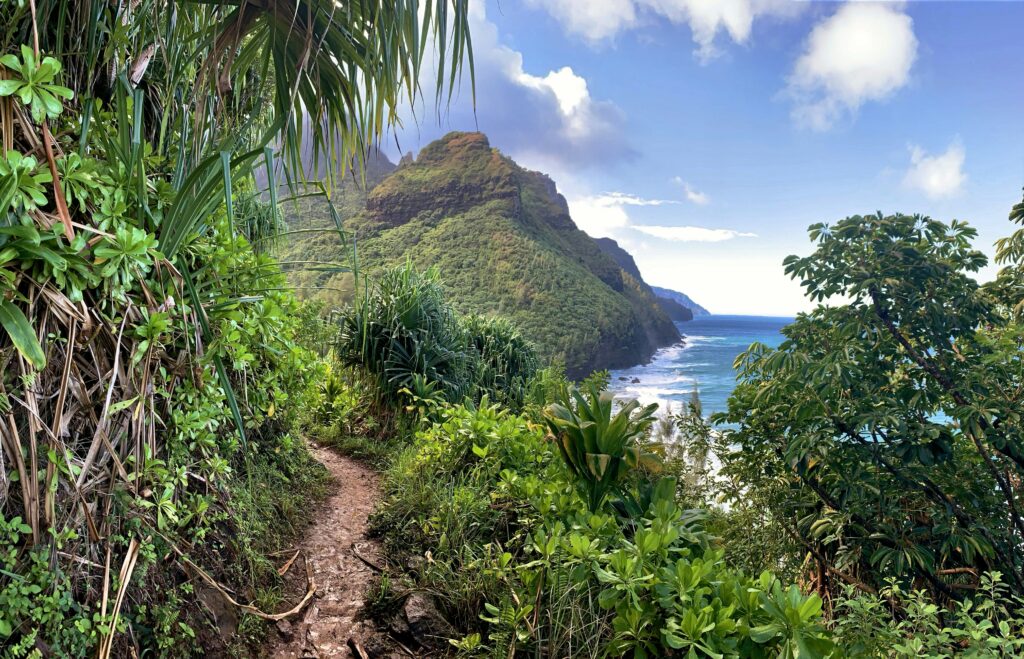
548, 384
990, 624
658, 589
37, 600
507, 361
404, 327
599, 448
441, 497
519, 561
405, 333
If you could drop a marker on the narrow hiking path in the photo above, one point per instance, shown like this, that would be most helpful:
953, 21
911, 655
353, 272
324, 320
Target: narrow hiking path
333, 545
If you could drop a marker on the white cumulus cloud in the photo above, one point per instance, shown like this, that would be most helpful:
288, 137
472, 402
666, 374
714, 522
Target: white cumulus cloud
594, 20
940, 175
863, 52
692, 234
553, 114
600, 20
570, 90
545, 120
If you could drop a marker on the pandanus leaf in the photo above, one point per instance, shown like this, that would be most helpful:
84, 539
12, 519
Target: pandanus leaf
22, 335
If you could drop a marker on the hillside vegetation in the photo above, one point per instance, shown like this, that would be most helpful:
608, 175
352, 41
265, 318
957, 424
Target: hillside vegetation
504, 243
159, 381
868, 473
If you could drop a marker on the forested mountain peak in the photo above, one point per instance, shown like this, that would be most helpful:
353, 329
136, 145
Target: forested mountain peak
506, 245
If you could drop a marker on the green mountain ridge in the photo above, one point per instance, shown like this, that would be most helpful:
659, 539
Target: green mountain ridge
505, 244
672, 308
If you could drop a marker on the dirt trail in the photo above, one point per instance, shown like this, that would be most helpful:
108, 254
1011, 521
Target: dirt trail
333, 545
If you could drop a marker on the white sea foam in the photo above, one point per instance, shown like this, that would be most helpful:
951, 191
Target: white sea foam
663, 394
665, 378
670, 353
661, 391
699, 339
704, 361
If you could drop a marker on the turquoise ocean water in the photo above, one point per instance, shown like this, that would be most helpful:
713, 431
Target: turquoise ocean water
704, 361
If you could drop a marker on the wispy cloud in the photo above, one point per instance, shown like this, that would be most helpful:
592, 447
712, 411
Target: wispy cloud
626, 199
691, 233
606, 215
598, 21
600, 215
692, 195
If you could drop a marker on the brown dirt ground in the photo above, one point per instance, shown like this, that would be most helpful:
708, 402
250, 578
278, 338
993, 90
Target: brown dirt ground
333, 545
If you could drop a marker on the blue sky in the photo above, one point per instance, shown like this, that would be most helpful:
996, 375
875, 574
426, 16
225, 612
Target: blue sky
706, 135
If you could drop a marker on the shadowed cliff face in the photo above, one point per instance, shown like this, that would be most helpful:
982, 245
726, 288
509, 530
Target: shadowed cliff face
505, 244
673, 309
680, 298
